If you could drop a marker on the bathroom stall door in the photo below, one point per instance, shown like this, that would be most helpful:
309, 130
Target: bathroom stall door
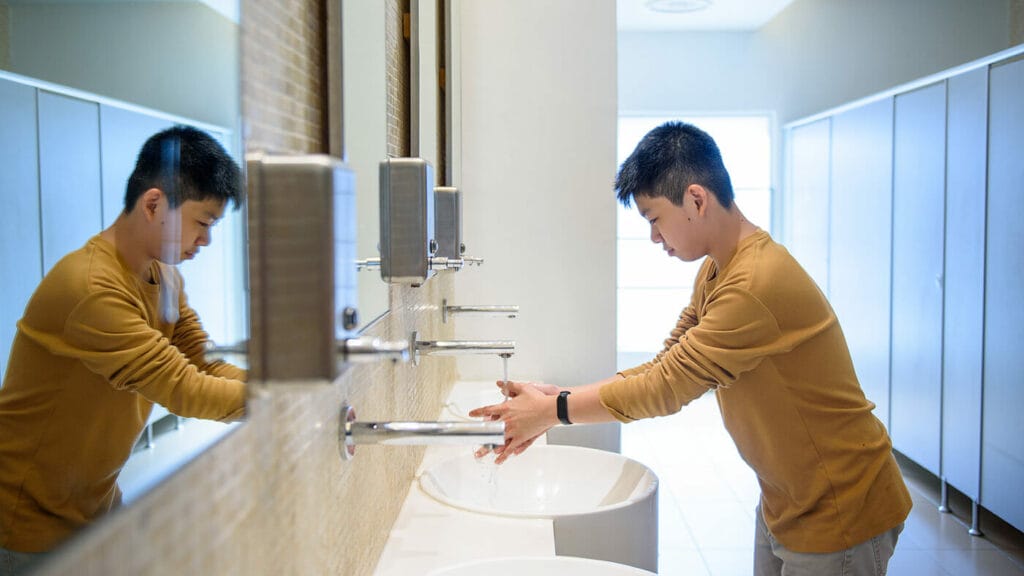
809, 174
861, 242
69, 174
1002, 451
919, 182
964, 309
20, 248
123, 132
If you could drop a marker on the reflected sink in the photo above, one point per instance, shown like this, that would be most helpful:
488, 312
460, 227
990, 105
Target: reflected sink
541, 566
603, 505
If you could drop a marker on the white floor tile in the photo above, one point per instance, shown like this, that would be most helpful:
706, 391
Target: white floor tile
708, 494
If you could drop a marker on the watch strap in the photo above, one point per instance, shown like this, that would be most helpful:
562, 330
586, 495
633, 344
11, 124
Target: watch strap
562, 406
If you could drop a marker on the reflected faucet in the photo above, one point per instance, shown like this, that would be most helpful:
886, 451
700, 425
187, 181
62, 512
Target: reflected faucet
352, 433
224, 352
367, 264
481, 310
459, 347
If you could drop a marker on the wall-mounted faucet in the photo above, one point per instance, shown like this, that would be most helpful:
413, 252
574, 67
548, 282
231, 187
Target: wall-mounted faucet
352, 432
365, 349
504, 348
367, 264
224, 352
478, 310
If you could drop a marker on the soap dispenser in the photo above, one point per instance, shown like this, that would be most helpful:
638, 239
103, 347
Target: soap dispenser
448, 227
408, 248
448, 222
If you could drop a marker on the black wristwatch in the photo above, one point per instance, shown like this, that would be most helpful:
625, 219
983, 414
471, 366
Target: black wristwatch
563, 407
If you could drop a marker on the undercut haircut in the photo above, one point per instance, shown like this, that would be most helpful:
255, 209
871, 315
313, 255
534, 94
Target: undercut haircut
668, 160
186, 164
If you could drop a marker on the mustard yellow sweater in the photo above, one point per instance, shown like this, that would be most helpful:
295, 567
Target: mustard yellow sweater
90, 358
762, 335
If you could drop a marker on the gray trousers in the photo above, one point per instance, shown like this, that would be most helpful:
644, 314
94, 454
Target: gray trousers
869, 558
13, 563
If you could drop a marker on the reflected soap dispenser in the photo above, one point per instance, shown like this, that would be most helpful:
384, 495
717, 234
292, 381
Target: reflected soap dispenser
448, 222
408, 248
448, 228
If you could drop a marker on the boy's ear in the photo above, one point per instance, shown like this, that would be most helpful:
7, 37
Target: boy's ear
699, 195
150, 202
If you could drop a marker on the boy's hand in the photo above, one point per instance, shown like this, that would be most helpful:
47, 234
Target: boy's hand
528, 413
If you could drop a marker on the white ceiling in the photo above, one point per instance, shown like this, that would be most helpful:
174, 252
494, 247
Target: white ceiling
721, 15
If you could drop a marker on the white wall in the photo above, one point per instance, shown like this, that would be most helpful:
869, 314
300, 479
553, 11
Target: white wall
538, 115
816, 54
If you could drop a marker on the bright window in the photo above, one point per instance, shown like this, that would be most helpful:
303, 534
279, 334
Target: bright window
653, 288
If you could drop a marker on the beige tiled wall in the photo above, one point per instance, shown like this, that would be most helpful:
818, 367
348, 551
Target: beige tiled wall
274, 496
283, 47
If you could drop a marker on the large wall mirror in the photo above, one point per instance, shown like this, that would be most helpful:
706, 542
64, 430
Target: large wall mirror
365, 121
370, 74
84, 83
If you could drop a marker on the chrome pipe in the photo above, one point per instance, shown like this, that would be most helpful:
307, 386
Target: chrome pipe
364, 349
481, 310
352, 433
368, 263
216, 352
424, 433
459, 347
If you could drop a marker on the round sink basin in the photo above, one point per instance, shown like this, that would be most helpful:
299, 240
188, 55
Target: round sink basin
541, 566
603, 505
543, 482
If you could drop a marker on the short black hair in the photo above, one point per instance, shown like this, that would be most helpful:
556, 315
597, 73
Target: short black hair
670, 158
186, 164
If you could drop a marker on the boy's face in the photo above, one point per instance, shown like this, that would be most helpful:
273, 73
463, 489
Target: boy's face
187, 229
674, 227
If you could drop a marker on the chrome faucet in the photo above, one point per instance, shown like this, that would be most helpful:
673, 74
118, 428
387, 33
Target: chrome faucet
352, 433
483, 310
367, 264
459, 347
366, 349
216, 351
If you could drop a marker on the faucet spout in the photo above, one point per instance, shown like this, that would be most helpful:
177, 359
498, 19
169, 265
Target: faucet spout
416, 433
458, 347
215, 352
503, 348
424, 433
478, 310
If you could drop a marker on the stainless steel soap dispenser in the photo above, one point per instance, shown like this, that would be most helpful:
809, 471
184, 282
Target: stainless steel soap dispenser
448, 228
302, 273
448, 222
406, 220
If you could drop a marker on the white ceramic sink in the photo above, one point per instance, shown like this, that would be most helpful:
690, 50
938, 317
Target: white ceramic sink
603, 504
543, 482
542, 566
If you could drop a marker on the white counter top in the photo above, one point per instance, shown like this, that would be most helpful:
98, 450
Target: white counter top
428, 535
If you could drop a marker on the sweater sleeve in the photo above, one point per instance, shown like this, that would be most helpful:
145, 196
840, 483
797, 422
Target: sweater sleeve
108, 333
734, 335
191, 339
